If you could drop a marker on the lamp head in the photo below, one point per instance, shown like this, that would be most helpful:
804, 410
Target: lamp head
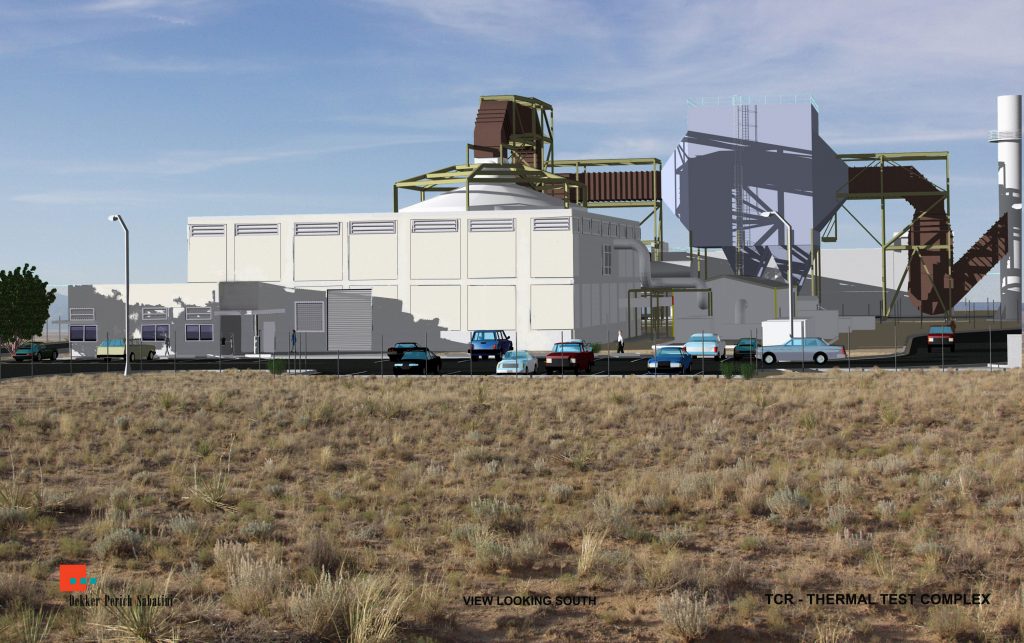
113, 217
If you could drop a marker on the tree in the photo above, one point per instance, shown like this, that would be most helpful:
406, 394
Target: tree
24, 305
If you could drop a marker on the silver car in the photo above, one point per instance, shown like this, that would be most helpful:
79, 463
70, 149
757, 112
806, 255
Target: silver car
801, 349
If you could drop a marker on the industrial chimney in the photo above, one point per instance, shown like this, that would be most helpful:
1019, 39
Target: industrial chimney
1007, 140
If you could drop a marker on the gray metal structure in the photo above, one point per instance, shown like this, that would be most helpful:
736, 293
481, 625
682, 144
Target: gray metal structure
745, 156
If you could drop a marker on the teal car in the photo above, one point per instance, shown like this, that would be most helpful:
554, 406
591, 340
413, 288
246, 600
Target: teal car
35, 352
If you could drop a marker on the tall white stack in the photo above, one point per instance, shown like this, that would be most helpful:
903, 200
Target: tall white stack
1007, 139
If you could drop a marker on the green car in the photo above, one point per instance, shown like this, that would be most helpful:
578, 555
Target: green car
35, 352
746, 349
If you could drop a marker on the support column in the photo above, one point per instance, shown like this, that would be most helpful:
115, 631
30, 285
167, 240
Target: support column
1007, 139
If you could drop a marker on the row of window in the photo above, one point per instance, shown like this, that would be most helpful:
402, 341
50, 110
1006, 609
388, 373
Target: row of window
150, 332
149, 313
589, 226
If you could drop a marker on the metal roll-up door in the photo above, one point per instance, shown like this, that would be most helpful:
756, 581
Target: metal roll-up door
350, 320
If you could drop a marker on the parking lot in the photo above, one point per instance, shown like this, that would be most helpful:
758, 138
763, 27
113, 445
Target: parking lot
973, 350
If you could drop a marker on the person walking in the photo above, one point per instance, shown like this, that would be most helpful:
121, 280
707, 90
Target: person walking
621, 343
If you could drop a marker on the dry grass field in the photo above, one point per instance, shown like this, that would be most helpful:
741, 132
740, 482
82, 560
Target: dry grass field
288, 508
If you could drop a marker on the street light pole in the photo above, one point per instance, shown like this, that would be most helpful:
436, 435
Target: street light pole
127, 299
789, 262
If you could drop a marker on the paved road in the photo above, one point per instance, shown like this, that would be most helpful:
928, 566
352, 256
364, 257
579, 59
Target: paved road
972, 350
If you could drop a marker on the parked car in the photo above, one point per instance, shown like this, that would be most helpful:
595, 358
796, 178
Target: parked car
395, 352
670, 359
746, 349
35, 351
941, 336
515, 362
418, 360
114, 348
574, 355
705, 345
798, 349
489, 343
658, 347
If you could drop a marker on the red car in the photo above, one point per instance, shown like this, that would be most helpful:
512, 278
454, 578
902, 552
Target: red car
941, 336
574, 355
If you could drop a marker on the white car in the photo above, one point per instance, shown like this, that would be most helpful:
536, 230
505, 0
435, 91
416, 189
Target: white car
705, 345
516, 362
658, 347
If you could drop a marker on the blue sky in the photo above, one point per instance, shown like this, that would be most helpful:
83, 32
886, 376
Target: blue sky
162, 109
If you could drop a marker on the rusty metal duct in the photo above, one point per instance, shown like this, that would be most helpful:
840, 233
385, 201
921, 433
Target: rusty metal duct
935, 283
507, 124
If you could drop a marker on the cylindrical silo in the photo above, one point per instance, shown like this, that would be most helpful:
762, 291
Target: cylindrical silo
1007, 139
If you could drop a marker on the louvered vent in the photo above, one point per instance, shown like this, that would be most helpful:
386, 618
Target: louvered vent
255, 228
371, 227
551, 224
435, 225
206, 230
492, 225
317, 229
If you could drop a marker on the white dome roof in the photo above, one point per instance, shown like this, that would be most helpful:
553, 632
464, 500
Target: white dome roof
488, 197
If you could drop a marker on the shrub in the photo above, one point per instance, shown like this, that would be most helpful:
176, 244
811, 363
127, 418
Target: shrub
498, 514
140, 621
254, 583
121, 543
728, 370
748, 370
277, 366
686, 615
560, 492
374, 608
787, 503
315, 610
590, 551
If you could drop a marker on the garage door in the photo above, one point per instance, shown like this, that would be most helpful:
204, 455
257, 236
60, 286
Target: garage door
349, 320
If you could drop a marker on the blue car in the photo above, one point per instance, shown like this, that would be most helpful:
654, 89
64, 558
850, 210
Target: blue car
485, 344
670, 359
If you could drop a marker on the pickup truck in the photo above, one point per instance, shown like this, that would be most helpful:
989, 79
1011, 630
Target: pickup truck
114, 348
574, 355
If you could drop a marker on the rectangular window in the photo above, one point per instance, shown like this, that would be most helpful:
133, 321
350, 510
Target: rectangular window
317, 229
198, 332
606, 256
155, 332
551, 224
255, 228
83, 333
198, 313
371, 227
435, 225
309, 316
492, 225
153, 314
82, 314
206, 230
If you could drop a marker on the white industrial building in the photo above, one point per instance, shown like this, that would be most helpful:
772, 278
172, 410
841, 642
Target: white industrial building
516, 260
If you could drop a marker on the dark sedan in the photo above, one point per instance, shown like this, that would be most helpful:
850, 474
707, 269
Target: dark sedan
746, 349
395, 352
420, 361
35, 351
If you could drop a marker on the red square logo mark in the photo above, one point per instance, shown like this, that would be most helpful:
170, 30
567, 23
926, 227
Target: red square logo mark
74, 578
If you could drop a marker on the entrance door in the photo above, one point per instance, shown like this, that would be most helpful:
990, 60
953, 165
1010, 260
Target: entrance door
231, 335
267, 336
350, 320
